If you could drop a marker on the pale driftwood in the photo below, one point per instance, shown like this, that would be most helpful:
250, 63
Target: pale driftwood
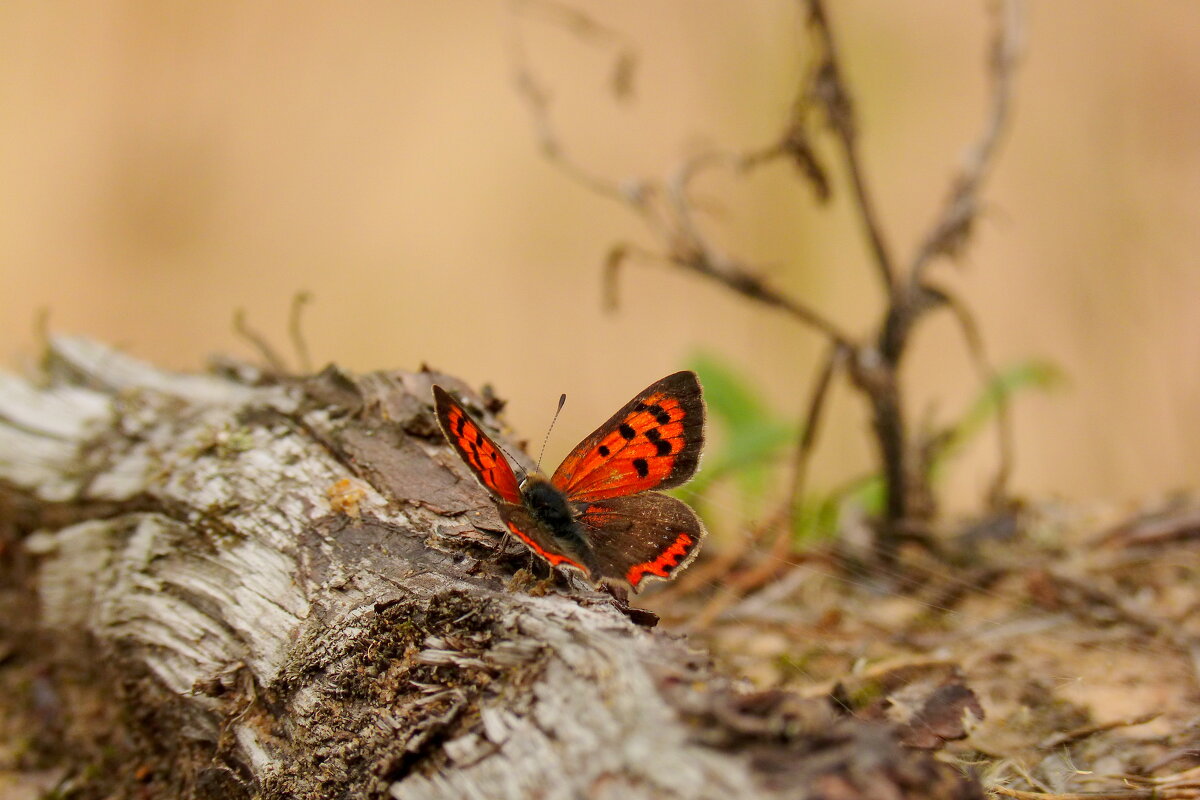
211, 625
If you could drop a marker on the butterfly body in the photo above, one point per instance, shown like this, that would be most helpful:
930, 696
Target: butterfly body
598, 514
552, 512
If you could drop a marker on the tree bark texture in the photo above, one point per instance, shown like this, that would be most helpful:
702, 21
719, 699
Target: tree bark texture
244, 585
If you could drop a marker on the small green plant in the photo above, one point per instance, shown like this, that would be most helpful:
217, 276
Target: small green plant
821, 141
751, 440
751, 435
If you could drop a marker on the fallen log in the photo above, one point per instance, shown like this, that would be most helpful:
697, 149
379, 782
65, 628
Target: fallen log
240, 584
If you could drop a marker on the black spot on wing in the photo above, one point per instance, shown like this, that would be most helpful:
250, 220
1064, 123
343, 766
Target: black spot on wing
627, 431
643, 468
603, 451
662, 446
659, 413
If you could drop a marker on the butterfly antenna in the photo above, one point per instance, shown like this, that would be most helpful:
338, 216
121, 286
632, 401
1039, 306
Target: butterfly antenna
562, 401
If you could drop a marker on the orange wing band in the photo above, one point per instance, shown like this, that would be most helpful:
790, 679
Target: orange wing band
665, 563
554, 559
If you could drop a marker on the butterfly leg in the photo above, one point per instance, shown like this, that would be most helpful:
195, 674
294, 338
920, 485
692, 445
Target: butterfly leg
496, 554
501, 547
620, 600
532, 569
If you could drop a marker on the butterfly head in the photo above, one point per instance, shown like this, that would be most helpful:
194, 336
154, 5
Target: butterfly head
545, 500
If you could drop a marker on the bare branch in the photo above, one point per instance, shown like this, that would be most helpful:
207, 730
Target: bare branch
588, 28
829, 89
998, 490
538, 100
666, 210
296, 331
693, 252
949, 231
268, 353
834, 360
669, 211
618, 255
795, 144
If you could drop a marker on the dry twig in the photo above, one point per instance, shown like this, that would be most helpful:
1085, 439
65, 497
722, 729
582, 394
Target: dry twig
829, 88
259, 342
953, 225
667, 209
296, 332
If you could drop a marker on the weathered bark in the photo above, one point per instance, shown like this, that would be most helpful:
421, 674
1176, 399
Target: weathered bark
194, 614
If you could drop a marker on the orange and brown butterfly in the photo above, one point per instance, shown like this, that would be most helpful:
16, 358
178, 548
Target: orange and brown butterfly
598, 513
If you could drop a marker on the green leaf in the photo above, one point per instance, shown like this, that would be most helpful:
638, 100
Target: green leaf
729, 395
1031, 374
819, 516
753, 436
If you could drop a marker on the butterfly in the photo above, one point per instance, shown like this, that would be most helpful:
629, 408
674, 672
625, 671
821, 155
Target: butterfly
598, 513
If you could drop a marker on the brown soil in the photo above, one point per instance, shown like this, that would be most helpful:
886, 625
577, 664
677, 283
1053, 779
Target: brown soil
1078, 632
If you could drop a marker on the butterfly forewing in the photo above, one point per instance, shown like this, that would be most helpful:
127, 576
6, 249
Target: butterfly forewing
640, 537
475, 448
653, 442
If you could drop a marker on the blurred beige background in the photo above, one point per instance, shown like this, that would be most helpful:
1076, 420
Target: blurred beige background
162, 164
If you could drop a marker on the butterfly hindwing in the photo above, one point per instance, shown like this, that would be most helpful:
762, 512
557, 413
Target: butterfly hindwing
639, 537
475, 448
554, 550
654, 442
